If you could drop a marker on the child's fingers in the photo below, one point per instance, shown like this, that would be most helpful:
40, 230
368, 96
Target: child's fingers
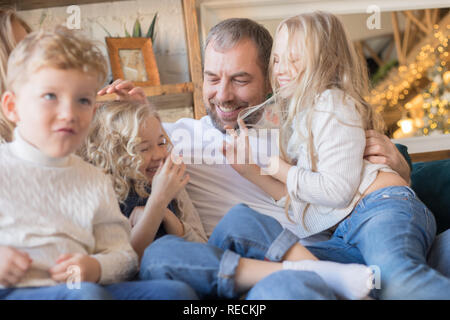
61, 267
60, 277
23, 263
185, 181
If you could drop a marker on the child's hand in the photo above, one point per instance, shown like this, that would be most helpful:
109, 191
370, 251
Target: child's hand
89, 268
239, 154
168, 180
13, 265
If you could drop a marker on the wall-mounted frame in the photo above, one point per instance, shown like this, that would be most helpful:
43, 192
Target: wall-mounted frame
133, 59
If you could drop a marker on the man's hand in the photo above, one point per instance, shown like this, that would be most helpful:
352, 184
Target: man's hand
125, 90
13, 265
381, 150
89, 268
239, 153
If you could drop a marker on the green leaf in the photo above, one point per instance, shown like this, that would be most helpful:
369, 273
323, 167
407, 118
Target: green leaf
137, 29
151, 29
126, 32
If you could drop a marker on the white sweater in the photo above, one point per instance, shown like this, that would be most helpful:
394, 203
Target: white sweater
52, 206
342, 173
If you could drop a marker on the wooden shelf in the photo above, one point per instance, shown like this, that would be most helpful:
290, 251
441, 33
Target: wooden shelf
39, 4
193, 47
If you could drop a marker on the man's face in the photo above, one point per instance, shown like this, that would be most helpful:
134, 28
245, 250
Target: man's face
233, 80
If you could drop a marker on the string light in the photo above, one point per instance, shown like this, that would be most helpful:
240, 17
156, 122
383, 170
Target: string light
429, 109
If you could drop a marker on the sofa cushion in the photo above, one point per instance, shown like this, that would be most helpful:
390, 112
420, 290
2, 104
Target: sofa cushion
431, 182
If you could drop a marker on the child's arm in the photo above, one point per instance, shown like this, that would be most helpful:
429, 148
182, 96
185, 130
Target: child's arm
172, 224
339, 142
113, 251
167, 182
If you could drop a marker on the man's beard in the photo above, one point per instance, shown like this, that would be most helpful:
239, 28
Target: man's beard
217, 123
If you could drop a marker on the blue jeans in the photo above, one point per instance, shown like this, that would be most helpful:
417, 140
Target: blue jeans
390, 228
210, 271
132, 290
439, 256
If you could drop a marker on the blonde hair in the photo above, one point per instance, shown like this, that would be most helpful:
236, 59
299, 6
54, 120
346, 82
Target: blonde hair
7, 43
62, 49
329, 61
112, 141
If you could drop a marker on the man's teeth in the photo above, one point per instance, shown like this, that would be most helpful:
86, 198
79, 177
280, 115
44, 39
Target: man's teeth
225, 109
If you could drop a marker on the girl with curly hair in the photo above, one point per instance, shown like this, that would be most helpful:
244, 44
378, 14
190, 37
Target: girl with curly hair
128, 142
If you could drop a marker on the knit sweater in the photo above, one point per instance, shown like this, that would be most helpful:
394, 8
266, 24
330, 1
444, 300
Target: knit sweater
51, 206
342, 174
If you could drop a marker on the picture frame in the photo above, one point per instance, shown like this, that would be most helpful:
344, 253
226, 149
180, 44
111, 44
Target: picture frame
133, 59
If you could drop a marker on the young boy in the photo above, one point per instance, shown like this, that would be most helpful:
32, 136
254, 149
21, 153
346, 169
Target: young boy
60, 225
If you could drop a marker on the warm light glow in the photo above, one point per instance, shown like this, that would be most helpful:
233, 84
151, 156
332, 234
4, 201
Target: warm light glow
406, 125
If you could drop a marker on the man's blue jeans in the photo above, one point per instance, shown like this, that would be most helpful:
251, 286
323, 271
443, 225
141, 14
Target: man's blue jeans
132, 290
210, 271
390, 229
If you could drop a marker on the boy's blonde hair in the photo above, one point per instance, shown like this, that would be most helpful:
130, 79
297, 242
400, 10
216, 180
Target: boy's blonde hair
8, 17
62, 49
112, 141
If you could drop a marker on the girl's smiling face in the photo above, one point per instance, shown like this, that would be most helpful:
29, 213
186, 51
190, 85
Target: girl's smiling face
153, 147
286, 62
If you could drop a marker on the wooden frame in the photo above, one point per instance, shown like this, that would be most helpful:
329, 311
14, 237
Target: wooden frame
144, 45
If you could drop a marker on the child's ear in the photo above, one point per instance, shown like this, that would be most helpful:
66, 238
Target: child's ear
9, 106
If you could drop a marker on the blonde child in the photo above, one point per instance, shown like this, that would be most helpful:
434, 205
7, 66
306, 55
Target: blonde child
128, 143
320, 85
12, 30
61, 236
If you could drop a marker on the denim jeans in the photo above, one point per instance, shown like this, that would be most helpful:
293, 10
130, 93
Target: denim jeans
389, 228
210, 271
439, 256
131, 290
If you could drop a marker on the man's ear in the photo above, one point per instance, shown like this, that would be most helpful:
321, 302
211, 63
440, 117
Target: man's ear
9, 106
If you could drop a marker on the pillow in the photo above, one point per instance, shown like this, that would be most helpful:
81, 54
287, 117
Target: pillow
404, 151
431, 182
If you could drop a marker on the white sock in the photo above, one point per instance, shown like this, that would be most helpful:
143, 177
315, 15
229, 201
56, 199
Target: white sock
350, 281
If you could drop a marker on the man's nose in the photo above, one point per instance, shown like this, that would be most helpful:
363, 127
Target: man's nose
224, 92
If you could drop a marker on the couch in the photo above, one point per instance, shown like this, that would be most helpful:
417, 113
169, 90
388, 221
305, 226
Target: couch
431, 182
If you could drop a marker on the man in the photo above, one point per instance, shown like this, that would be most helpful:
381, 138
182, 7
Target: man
236, 62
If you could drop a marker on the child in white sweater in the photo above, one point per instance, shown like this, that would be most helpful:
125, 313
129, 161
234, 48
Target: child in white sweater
61, 230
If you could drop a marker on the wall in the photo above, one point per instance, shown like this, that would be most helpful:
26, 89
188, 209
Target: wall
169, 45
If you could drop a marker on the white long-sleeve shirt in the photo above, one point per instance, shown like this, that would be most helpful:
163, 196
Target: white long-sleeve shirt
214, 186
52, 206
342, 174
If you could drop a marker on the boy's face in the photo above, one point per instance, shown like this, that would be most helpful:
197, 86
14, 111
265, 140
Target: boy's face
53, 109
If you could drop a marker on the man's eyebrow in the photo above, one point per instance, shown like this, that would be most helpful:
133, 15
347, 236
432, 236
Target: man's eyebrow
209, 73
241, 74
234, 75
